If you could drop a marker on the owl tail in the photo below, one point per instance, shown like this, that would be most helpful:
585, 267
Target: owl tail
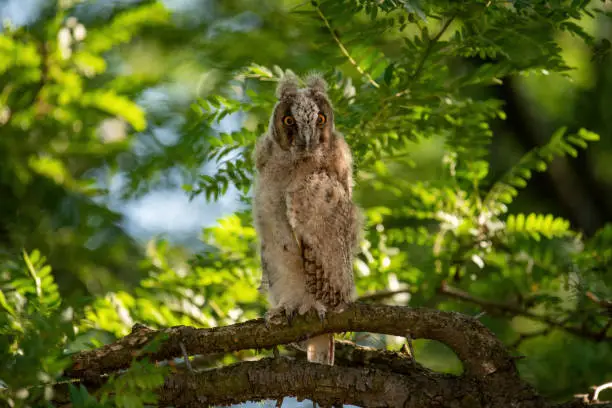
320, 349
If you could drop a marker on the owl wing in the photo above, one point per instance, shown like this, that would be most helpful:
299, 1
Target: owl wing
323, 220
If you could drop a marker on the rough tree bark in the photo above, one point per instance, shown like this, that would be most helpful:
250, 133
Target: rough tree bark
362, 376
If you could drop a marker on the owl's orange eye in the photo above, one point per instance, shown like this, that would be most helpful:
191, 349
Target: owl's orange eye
321, 119
289, 121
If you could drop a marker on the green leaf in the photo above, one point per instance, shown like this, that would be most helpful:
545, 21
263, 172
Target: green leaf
113, 104
6, 306
388, 75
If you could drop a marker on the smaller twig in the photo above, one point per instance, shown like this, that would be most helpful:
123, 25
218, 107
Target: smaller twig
517, 310
526, 336
186, 357
600, 389
383, 294
601, 302
450, 291
199, 361
605, 329
345, 51
300, 5
479, 315
416, 73
410, 347
428, 49
430, 46
584, 398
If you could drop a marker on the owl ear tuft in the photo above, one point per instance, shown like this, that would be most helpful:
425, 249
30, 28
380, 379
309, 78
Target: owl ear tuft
315, 81
288, 85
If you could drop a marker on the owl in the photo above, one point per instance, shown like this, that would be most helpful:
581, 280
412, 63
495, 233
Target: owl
303, 212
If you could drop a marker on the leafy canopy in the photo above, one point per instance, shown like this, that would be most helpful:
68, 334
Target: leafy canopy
411, 83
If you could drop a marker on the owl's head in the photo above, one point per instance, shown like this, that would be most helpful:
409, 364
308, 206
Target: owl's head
303, 120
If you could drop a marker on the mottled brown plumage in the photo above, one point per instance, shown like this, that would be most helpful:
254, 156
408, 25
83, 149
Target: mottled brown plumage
303, 211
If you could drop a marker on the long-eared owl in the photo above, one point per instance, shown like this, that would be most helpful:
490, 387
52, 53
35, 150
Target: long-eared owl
307, 223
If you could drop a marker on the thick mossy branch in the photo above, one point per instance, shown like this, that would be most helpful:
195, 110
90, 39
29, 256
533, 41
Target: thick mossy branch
365, 387
328, 385
362, 376
276, 378
479, 350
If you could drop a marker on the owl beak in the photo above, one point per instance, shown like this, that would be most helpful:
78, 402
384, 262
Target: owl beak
307, 135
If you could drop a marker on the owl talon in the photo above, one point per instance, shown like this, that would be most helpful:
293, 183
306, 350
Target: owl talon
321, 314
270, 319
275, 352
277, 317
290, 316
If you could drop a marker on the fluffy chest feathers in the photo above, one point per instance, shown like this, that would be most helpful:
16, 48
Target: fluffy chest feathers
307, 226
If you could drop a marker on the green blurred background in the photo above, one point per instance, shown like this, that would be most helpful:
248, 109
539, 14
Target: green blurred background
110, 109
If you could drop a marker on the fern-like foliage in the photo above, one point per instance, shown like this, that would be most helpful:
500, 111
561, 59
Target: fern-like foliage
537, 225
505, 190
414, 86
33, 329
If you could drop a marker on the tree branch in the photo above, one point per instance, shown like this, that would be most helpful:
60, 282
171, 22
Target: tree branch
271, 378
419, 69
382, 295
362, 376
344, 50
429, 47
414, 387
479, 350
516, 310
276, 378
604, 303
